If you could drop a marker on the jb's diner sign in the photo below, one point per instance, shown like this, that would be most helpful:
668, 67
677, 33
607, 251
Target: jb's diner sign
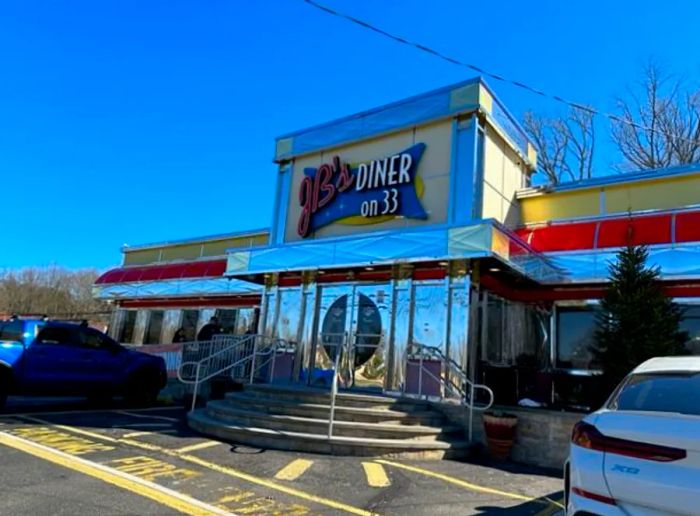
361, 193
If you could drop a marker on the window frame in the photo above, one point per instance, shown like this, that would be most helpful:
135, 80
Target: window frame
589, 305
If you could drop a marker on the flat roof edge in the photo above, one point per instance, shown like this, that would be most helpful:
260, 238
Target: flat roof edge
194, 240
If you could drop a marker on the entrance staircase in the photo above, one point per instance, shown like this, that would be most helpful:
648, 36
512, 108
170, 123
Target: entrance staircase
289, 418
266, 414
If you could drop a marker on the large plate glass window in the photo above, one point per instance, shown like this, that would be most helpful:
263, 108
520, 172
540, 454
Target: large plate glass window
576, 328
126, 334
691, 324
155, 325
227, 320
189, 324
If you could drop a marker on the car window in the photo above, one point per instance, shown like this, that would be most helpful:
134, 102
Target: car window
11, 331
92, 338
669, 392
55, 335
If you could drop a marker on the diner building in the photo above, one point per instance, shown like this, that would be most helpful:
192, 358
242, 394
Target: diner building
416, 226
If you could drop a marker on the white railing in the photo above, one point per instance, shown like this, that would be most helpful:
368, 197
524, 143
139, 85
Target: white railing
240, 357
465, 390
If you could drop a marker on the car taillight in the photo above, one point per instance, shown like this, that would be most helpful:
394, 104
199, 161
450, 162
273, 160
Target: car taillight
588, 436
593, 496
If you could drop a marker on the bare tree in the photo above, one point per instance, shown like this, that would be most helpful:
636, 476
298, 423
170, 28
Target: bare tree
51, 291
565, 145
661, 126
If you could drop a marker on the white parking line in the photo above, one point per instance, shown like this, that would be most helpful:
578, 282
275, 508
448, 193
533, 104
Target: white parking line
140, 434
144, 425
145, 416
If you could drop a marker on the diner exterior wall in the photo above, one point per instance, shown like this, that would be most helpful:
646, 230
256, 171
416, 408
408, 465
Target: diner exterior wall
666, 190
504, 174
542, 437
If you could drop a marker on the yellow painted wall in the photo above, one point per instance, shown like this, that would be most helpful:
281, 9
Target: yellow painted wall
660, 194
141, 257
656, 194
192, 251
503, 177
564, 205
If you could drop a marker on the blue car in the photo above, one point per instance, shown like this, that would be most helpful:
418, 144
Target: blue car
52, 358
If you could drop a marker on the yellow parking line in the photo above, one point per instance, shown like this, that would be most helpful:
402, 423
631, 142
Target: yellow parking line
467, 485
199, 446
159, 494
294, 469
376, 476
222, 469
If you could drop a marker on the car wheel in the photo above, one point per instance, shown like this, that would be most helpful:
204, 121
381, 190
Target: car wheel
142, 389
4, 386
99, 398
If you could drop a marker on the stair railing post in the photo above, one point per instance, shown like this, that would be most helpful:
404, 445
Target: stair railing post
334, 392
252, 362
420, 373
272, 366
471, 410
196, 387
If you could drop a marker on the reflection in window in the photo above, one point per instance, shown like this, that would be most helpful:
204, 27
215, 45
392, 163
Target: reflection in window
11, 331
227, 320
691, 324
189, 324
516, 333
126, 334
155, 325
429, 314
575, 335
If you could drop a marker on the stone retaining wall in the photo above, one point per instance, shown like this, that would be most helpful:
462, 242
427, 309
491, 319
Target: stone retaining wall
542, 436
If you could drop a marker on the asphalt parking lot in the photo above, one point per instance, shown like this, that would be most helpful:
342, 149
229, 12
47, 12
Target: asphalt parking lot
71, 458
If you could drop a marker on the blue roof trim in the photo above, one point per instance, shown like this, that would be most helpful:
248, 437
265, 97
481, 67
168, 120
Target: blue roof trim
657, 173
361, 114
433, 105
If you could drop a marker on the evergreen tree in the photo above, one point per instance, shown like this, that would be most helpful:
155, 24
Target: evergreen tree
637, 320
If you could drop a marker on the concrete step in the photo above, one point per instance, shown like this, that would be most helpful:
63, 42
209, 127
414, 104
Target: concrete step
244, 417
343, 398
409, 415
262, 437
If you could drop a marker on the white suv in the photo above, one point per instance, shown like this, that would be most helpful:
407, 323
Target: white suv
640, 453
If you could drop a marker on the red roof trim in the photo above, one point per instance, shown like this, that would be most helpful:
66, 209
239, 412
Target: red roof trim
198, 269
614, 232
193, 302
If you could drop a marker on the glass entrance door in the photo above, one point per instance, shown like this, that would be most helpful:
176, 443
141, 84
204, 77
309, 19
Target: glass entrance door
354, 321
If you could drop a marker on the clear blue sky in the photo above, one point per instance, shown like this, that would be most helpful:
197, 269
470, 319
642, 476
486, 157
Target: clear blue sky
125, 121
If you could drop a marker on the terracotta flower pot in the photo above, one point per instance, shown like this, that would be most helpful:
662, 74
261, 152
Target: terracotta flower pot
500, 433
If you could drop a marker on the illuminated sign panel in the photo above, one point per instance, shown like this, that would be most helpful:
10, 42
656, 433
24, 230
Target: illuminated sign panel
368, 192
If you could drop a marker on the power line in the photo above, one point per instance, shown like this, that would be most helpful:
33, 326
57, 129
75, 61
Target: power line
495, 76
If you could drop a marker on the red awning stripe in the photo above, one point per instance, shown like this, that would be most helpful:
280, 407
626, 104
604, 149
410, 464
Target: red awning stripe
199, 269
614, 232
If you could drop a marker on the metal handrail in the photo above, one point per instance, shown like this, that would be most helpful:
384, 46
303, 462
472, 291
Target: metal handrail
334, 394
466, 395
250, 357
